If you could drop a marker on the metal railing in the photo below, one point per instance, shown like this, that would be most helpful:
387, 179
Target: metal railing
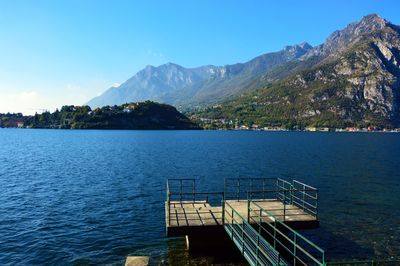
294, 193
255, 249
200, 207
264, 237
184, 200
305, 197
284, 186
180, 185
293, 196
287, 209
284, 238
237, 188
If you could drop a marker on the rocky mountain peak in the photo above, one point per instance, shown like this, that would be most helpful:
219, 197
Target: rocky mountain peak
170, 64
151, 71
305, 45
301, 47
296, 51
372, 22
366, 25
341, 40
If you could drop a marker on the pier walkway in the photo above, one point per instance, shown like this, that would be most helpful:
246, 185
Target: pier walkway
259, 215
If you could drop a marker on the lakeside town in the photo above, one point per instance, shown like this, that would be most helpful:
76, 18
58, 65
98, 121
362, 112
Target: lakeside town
225, 124
18, 120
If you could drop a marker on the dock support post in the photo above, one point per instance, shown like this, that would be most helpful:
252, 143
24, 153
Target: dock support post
187, 242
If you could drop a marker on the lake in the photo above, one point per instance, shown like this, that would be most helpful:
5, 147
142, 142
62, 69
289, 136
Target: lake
76, 197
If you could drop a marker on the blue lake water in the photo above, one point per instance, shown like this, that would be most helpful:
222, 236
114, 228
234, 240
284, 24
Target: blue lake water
72, 197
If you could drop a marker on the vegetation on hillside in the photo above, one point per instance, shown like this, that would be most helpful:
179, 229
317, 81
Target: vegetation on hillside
141, 115
316, 97
12, 120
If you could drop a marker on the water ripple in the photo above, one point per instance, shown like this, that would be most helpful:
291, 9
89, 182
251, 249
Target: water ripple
94, 197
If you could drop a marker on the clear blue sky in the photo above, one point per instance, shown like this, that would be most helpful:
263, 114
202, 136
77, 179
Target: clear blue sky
66, 52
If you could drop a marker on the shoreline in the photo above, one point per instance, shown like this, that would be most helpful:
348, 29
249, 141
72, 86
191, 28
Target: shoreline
218, 129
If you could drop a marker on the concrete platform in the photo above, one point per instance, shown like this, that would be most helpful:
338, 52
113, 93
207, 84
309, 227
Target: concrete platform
287, 213
191, 213
137, 261
199, 217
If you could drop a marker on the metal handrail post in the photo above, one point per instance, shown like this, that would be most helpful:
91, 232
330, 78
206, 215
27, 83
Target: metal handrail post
169, 208
181, 188
238, 190
232, 223
223, 208
291, 194
304, 196
248, 210
263, 187
194, 190
258, 245
294, 249
168, 203
284, 205
275, 233
243, 237
316, 204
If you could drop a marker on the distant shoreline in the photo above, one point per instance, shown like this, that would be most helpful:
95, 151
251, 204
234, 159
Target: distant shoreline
311, 131
146, 115
106, 129
201, 129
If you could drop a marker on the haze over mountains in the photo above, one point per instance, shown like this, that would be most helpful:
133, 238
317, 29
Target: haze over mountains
350, 79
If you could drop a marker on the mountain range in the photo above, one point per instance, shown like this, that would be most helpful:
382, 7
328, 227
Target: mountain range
352, 79
174, 84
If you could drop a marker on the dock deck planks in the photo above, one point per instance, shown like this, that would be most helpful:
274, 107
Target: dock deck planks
192, 215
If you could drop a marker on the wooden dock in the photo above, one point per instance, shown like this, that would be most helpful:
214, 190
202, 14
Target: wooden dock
188, 211
258, 215
193, 217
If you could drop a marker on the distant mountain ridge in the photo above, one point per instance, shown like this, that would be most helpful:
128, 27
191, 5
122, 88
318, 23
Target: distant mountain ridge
352, 79
174, 84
